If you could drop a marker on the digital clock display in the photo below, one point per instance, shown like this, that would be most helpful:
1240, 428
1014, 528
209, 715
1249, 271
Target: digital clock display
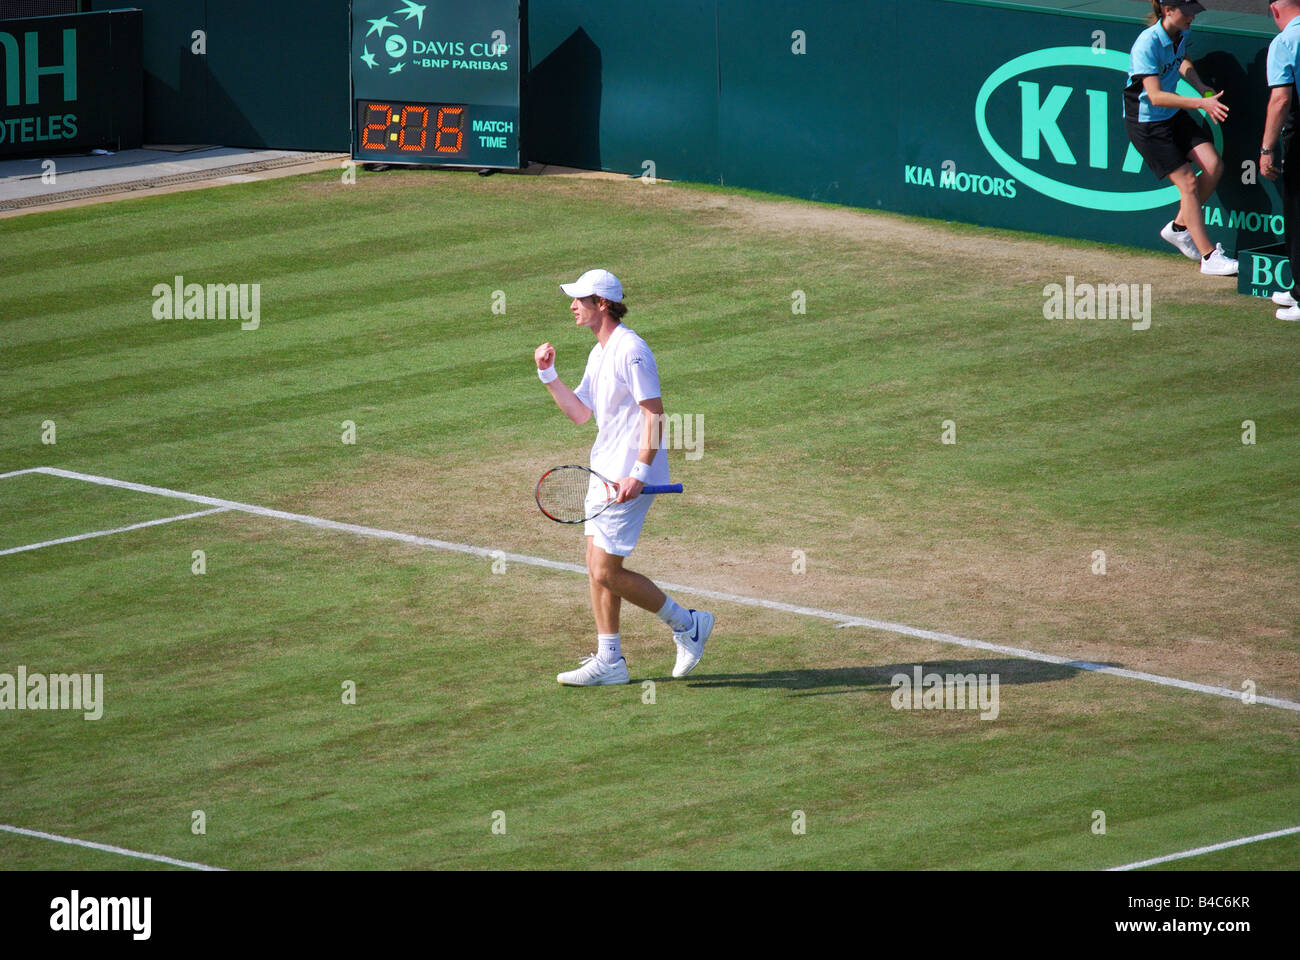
401, 128
437, 82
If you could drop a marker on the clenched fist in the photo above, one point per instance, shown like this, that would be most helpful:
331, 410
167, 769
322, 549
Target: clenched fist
545, 356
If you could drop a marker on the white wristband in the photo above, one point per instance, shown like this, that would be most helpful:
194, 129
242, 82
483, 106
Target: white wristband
640, 471
548, 375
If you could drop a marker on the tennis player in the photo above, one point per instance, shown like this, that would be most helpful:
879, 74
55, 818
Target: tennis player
1167, 137
621, 387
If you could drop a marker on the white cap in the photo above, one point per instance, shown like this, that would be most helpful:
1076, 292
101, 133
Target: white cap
599, 283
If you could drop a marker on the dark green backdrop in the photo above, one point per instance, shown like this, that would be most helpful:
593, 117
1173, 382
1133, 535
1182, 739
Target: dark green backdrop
882, 102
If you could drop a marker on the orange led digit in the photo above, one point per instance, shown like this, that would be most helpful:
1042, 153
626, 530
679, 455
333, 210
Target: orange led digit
458, 130
424, 128
371, 109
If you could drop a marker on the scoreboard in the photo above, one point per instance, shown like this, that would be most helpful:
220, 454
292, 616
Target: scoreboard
438, 82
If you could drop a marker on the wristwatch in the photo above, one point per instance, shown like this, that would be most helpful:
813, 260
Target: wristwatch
1264, 150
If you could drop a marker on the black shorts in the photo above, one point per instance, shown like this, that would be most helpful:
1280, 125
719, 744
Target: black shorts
1165, 144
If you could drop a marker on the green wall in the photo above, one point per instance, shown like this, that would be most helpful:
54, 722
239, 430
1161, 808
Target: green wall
615, 84
881, 102
275, 73
884, 99
821, 124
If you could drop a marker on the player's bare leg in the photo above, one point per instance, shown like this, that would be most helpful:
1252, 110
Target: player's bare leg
605, 603
609, 578
1213, 260
1189, 211
1211, 165
607, 665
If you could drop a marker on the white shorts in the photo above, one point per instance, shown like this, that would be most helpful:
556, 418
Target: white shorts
617, 530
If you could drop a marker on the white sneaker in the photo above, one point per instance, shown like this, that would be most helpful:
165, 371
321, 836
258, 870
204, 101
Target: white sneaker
594, 672
1219, 263
1283, 298
1290, 313
690, 645
1182, 239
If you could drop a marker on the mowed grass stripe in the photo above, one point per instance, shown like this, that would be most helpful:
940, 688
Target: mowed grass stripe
298, 291
240, 230
465, 232
296, 380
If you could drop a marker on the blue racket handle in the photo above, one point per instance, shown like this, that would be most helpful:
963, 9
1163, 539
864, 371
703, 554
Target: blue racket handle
662, 488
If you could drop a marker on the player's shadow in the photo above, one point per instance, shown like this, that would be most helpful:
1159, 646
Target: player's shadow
815, 683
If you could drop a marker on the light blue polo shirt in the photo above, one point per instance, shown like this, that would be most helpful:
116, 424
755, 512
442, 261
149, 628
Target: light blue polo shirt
1283, 52
1154, 55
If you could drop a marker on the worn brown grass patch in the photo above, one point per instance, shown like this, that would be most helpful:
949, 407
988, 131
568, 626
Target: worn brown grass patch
1166, 604
879, 235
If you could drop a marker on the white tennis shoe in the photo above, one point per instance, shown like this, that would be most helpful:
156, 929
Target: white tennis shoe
1182, 239
690, 645
1219, 264
1283, 298
1291, 314
593, 672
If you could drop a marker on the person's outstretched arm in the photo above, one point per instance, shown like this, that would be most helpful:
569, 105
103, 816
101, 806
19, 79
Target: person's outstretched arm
1213, 106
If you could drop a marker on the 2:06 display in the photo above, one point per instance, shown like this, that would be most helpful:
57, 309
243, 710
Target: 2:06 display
399, 129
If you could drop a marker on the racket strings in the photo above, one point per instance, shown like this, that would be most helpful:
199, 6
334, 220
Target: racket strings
562, 494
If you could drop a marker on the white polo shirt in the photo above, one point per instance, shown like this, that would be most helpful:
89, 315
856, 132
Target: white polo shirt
618, 377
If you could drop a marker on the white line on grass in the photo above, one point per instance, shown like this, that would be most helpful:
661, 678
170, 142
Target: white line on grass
839, 619
19, 473
1210, 849
105, 533
107, 848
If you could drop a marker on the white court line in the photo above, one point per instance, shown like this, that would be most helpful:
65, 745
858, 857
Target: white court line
840, 619
105, 533
1211, 849
107, 848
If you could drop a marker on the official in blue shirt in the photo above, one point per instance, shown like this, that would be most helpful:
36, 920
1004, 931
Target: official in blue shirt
1283, 73
1167, 137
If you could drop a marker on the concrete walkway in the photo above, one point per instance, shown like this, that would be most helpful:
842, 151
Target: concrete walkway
31, 184
84, 179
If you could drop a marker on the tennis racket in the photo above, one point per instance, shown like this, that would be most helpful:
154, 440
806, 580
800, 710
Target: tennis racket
562, 493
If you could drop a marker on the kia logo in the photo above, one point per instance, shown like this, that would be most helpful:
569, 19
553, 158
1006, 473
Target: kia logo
1040, 128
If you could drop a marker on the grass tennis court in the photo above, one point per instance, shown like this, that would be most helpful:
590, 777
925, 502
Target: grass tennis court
821, 438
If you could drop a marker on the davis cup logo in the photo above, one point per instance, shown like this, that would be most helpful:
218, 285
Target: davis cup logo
395, 45
1073, 136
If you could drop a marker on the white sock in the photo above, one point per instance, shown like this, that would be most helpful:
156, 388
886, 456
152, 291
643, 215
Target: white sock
675, 615
609, 647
